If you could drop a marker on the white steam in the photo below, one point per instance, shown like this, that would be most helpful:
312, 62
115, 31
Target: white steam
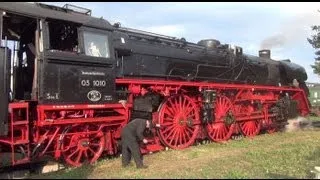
298, 123
296, 29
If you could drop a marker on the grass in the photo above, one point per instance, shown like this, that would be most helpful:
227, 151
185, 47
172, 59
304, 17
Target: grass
280, 155
314, 118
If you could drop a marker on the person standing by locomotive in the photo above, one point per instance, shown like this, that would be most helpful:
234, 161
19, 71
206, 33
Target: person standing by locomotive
131, 136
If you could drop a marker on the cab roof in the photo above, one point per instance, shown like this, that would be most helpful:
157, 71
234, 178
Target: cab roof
54, 12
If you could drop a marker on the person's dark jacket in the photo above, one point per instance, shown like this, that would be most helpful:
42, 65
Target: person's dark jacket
134, 130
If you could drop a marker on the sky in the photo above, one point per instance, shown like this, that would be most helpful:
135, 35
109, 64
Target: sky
281, 27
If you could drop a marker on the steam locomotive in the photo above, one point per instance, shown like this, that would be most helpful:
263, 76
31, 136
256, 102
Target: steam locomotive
72, 81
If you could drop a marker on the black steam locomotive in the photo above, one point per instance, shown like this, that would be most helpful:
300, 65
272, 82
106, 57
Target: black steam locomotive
145, 54
68, 77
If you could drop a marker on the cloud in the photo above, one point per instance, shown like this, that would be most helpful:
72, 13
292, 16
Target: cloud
297, 8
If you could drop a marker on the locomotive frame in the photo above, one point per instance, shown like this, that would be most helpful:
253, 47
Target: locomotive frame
72, 105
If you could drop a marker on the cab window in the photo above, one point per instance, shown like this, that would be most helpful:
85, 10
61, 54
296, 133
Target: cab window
96, 44
63, 36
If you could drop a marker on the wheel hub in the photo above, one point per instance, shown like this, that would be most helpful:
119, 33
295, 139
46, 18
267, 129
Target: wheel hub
229, 119
84, 144
181, 121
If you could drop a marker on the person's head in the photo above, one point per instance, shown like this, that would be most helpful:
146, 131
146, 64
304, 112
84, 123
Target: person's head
93, 46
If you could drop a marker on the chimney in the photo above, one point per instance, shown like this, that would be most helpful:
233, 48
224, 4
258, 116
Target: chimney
265, 53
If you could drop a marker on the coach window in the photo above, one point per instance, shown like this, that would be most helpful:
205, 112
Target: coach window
96, 44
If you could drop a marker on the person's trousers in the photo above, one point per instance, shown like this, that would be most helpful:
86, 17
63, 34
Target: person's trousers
129, 149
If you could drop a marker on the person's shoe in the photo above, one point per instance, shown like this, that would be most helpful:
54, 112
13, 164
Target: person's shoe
125, 165
142, 167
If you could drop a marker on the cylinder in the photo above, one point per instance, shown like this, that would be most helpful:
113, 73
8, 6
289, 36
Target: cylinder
265, 53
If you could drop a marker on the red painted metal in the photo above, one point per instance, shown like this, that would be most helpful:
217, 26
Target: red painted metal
51, 133
18, 137
201, 85
269, 94
82, 132
154, 145
300, 97
179, 121
248, 119
268, 122
270, 125
250, 128
85, 143
220, 130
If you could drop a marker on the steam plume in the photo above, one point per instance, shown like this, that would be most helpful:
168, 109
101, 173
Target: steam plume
298, 28
298, 123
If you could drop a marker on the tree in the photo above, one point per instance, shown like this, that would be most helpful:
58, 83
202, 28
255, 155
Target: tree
315, 42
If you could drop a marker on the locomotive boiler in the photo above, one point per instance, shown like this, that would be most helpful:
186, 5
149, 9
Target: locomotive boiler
70, 82
152, 55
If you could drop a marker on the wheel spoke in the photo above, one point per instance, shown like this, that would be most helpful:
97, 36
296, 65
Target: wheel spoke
79, 156
177, 134
171, 132
89, 147
173, 107
250, 128
167, 124
184, 105
177, 138
73, 153
173, 137
93, 152
183, 132
187, 134
86, 154
167, 129
180, 103
189, 110
219, 130
71, 147
169, 111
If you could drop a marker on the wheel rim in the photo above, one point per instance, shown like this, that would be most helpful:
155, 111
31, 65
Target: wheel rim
180, 122
250, 128
83, 146
220, 130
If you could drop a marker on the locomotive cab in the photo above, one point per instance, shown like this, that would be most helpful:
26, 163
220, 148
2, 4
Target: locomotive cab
52, 57
58, 57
